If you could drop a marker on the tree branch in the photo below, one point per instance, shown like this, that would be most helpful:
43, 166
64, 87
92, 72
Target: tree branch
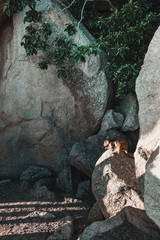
111, 5
66, 7
82, 11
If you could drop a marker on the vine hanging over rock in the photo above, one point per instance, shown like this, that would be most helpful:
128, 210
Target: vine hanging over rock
37, 38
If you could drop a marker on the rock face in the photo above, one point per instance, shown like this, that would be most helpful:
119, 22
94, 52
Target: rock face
41, 116
114, 183
152, 186
130, 223
148, 94
147, 153
111, 120
129, 108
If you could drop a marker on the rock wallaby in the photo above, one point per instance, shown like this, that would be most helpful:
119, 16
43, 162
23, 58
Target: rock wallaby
117, 145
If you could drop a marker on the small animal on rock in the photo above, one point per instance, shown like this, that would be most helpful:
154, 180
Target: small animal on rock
118, 144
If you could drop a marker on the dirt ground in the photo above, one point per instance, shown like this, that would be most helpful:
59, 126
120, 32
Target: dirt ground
21, 216
24, 216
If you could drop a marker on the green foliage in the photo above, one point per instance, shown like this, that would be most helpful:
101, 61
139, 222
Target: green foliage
37, 38
123, 35
14, 6
70, 29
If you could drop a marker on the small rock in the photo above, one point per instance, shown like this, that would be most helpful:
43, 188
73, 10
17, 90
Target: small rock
5, 181
64, 230
47, 181
70, 200
33, 173
40, 214
41, 193
111, 120
129, 108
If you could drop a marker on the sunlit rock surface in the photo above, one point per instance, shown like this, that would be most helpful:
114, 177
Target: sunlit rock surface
147, 152
41, 116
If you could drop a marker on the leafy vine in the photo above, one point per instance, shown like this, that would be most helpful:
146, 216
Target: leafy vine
38, 34
124, 36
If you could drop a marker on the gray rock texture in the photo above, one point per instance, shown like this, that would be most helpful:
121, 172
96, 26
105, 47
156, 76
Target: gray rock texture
148, 94
98, 228
41, 116
95, 214
128, 106
129, 223
114, 183
64, 181
33, 173
111, 120
64, 229
152, 186
40, 192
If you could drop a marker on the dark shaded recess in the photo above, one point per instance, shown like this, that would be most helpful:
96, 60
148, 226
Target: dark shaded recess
5, 37
77, 177
132, 138
31, 236
155, 5
3, 16
103, 6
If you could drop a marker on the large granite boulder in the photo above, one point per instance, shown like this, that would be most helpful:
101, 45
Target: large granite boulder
41, 116
152, 187
148, 94
114, 183
147, 152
